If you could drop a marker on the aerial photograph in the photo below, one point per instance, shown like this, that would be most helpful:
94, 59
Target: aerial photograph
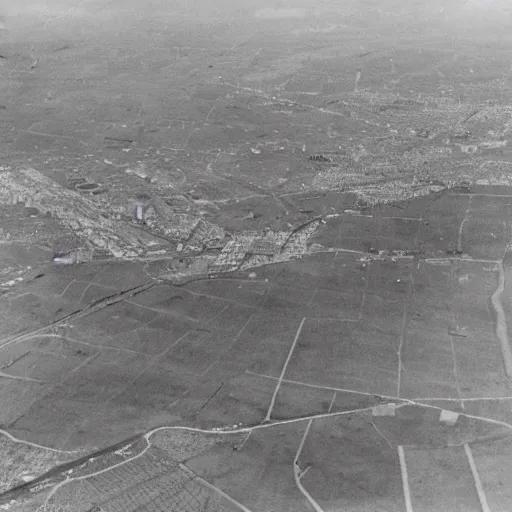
256, 255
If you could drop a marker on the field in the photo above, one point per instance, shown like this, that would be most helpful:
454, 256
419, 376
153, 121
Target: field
291, 466
333, 332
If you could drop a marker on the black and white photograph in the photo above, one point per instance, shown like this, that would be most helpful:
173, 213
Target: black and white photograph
256, 255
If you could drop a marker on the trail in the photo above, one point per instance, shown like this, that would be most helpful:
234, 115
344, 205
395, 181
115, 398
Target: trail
80, 313
6, 375
298, 474
476, 478
35, 445
501, 321
12, 492
214, 488
283, 371
405, 479
461, 227
148, 435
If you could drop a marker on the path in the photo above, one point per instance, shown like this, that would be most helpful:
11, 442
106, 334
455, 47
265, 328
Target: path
283, 371
501, 321
248, 430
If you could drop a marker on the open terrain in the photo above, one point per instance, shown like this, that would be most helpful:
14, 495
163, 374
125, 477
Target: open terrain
255, 257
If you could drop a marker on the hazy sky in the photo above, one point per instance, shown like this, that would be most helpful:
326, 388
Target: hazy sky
465, 17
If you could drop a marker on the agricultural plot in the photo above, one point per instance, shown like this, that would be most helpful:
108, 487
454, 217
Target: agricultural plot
365, 232
440, 229
492, 461
485, 237
441, 478
151, 482
353, 357
367, 472
260, 473
217, 351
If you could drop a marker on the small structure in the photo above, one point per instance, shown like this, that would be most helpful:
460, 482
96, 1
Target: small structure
71, 257
141, 208
449, 418
384, 409
319, 158
72, 254
139, 211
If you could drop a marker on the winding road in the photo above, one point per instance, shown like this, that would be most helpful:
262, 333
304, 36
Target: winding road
501, 321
